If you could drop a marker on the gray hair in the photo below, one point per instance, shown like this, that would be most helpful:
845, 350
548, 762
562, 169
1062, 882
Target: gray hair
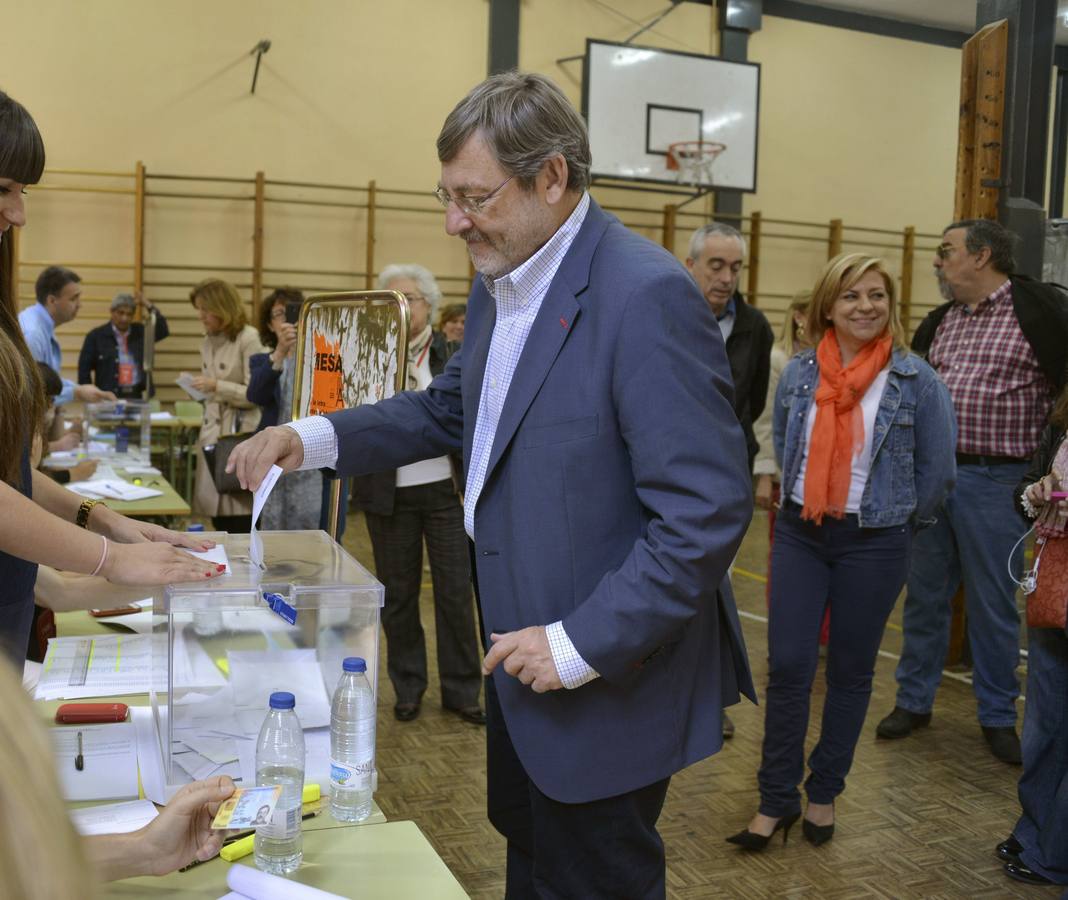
419, 274
526, 120
980, 233
697, 242
123, 299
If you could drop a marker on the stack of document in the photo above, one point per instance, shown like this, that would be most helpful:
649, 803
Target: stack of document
113, 488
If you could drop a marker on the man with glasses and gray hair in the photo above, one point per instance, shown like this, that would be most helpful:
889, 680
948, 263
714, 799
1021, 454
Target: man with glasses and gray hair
607, 493
1000, 343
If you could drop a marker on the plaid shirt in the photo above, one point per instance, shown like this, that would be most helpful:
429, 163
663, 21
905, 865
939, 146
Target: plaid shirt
1000, 394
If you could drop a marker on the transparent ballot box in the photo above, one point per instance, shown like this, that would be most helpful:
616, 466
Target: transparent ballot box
118, 431
222, 646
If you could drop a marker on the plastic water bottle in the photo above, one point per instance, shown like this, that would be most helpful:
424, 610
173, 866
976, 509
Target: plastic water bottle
352, 743
279, 847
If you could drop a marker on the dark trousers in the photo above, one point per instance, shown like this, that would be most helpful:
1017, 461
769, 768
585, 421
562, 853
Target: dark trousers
603, 849
1043, 824
857, 572
430, 511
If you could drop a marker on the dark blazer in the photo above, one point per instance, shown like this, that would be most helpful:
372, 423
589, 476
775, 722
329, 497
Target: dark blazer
100, 354
264, 388
749, 353
1042, 311
615, 497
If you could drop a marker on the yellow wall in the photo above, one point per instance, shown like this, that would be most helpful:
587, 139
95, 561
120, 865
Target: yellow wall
853, 126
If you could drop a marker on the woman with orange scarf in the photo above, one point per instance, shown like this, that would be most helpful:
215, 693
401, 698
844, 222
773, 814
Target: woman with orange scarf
864, 432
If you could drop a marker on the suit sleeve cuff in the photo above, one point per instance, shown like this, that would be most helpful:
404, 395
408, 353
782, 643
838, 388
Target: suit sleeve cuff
319, 440
573, 670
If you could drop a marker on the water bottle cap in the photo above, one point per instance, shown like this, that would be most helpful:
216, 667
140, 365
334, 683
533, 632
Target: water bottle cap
283, 700
354, 664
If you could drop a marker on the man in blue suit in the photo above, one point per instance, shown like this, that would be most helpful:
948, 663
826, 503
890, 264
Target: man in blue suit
607, 492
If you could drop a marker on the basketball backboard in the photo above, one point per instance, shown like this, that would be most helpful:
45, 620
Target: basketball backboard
639, 100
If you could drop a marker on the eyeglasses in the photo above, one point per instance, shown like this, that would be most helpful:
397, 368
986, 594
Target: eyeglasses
944, 251
278, 314
412, 298
469, 206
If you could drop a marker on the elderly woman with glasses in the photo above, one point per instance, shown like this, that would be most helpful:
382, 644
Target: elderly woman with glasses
406, 506
864, 434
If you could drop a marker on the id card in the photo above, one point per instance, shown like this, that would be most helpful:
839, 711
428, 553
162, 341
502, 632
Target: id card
248, 807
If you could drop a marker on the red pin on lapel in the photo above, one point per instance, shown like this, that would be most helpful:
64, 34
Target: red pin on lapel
563, 321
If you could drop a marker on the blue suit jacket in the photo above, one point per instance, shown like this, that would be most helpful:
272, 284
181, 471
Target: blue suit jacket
616, 495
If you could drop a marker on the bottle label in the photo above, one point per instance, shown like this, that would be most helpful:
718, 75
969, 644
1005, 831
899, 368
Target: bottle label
351, 776
285, 824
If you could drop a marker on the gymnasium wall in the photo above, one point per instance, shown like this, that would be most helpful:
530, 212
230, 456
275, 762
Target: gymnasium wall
853, 126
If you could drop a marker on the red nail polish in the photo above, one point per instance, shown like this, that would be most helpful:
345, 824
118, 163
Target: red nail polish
220, 567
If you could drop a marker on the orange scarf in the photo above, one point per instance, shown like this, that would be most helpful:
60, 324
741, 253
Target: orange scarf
838, 433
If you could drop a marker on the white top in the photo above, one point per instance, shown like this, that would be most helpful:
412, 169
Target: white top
426, 471
861, 468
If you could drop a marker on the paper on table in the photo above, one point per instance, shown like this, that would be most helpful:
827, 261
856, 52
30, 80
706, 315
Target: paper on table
185, 382
256, 885
113, 818
139, 469
31, 674
161, 416
116, 489
105, 666
109, 753
254, 674
255, 543
149, 758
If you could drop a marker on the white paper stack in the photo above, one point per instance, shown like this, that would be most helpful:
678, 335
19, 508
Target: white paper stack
246, 883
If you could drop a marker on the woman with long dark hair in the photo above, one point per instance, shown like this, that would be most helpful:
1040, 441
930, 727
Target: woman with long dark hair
37, 516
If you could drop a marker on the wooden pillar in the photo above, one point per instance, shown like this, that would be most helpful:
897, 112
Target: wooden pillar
670, 217
834, 238
753, 278
139, 231
908, 255
257, 246
371, 200
979, 131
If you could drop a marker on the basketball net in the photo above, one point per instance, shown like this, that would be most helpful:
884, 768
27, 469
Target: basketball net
692, 161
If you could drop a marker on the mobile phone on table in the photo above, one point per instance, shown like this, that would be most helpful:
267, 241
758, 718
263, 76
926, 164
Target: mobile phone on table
89, 713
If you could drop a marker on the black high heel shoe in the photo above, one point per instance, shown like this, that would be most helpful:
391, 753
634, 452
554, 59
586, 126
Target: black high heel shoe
749, 840
816, 834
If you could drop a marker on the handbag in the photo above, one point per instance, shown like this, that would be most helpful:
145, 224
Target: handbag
1048, 603
217, 455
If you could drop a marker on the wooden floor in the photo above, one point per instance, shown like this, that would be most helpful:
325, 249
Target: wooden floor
920, 817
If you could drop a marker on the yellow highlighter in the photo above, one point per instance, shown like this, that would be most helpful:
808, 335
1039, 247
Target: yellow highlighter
238, 849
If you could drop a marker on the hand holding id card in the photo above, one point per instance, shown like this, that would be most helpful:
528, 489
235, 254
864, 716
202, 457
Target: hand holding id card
248, 808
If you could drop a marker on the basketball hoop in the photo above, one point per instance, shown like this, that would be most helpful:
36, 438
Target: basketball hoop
692, 161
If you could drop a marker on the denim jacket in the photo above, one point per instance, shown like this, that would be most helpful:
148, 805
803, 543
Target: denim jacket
913, 463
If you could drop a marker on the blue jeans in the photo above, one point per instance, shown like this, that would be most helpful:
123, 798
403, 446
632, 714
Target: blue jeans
1043, 825
971, 541
858, 573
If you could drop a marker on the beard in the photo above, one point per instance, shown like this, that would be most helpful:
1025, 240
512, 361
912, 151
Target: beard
943, 286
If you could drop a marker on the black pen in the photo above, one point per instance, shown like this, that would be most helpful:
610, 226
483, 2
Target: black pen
79, 760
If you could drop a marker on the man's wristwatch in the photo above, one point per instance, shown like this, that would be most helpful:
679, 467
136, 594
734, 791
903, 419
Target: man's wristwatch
82, 519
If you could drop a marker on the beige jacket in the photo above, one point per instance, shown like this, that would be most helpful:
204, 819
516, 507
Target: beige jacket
227, 411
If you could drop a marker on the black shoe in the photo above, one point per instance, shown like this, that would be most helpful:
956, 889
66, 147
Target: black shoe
405, 712
1020, 872
749, 840
1009, 849
1004, 744
900, 723
472, 713
816, 834
728, 726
